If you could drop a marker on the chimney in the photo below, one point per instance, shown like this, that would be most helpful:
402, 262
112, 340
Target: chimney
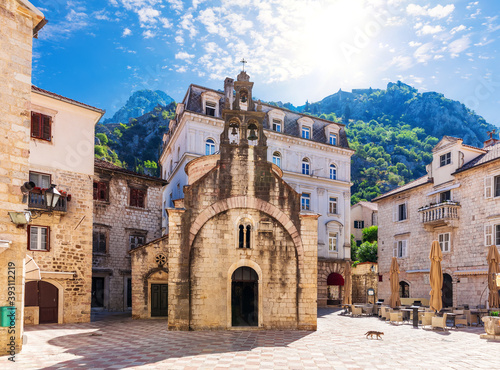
228, 92
491, 141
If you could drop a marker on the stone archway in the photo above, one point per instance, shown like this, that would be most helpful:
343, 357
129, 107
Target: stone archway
325, 269
335, 283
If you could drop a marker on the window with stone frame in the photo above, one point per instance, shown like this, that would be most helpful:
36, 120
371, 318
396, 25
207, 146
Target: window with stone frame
305, 166
41, 126
444, 159
496, 186
277, 159
305, 202
306, 132
332, 242
332, 205
137, 198
38, 238
333, 172
400, 212
444, 196
41, 180
210, 108
277, 125
332, 139
444, 242
101, 189
492, 235
209, 147
136, 240
359, 224
400, 249
244, 235
99, 241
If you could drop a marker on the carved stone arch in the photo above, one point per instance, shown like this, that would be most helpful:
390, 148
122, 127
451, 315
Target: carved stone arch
252, 203
153, 271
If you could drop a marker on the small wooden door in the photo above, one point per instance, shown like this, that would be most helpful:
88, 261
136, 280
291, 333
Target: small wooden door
48, 303
97, 292
159, 300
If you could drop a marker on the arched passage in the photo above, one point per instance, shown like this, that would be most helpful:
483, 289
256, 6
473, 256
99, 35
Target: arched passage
447, 291
244, 297
404, 289
335, 283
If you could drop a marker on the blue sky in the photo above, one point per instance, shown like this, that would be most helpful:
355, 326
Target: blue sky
99, 52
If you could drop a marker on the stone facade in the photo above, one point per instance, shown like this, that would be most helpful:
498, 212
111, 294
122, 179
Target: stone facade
123, 226
364, 277
240, 251
65, 160
363, 215
457, 204
18, 19
313, 153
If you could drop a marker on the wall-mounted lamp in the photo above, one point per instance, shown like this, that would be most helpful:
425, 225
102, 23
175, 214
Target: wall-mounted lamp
20, 218
51, 196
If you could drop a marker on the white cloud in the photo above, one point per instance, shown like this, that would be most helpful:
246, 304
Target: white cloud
148, 34
148, 16
186, 23
183, 55
125, 50
437, 12
181, 69
457, 29
126, 32
212, 23
166, 23
176, 4
458, 46
179, 39
414, 44
401, 62
423, 53
429, 30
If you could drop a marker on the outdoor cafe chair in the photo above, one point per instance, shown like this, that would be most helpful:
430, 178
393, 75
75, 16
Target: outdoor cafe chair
426, 318
356, 311
460, 319
396, 317
472, 318
439, 322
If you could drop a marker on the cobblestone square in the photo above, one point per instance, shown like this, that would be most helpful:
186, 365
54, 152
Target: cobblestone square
339, 343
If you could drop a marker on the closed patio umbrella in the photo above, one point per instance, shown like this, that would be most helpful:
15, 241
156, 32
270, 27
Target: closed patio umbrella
395, 299
493, 260
347, 283
436, 277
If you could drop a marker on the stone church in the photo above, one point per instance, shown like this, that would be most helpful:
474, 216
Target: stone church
239, 250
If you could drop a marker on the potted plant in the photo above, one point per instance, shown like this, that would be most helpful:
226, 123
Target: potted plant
492, 323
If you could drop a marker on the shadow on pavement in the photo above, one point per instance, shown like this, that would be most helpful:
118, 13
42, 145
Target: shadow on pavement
142, 342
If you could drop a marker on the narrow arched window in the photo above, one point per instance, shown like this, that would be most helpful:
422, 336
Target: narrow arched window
305, 166
333, 172
277, 159
209, 147
241, 237
248, 230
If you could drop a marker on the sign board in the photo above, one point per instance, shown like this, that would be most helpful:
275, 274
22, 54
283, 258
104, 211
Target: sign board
370, 291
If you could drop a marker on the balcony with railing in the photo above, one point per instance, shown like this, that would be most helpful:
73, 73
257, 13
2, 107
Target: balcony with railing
37, 200
440, 214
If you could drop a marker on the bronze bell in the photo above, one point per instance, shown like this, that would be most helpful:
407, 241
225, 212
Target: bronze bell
234, 132
244, 99
252, 135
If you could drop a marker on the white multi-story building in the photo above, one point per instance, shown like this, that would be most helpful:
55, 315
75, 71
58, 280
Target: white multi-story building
313, 153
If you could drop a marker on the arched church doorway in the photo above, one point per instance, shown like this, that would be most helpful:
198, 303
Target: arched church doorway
447, 291
335, 282
244, 297
404, 289
46, 297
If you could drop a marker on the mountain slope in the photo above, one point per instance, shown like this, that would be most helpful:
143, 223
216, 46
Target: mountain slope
140, 103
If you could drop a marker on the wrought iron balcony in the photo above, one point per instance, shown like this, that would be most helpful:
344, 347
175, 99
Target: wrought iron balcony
36, 200
444, 213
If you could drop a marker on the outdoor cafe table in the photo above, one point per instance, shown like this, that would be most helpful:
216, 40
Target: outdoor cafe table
415, 310
480, 312
452, 316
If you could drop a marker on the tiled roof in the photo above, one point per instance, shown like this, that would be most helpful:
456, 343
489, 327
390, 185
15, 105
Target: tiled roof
290, 125
63, 98
105, 165
412, 184
493, 153
149, 243
369, 205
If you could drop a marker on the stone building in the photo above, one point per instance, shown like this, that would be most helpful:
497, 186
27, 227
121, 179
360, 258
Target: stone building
60, 242
19, 23
127, 214
363, 214
458, 204
365, 277
313, 154
240, 251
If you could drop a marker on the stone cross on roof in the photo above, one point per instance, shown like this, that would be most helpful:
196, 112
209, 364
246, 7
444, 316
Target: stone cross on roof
243, 61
